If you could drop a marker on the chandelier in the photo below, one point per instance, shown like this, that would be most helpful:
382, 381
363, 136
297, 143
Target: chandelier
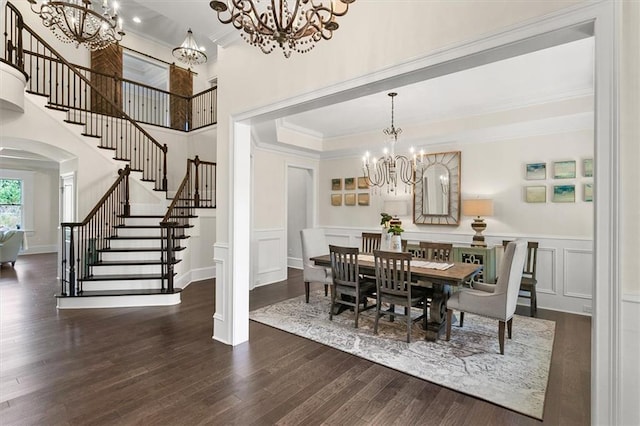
391, 169
189, 52
295, 25
76, 21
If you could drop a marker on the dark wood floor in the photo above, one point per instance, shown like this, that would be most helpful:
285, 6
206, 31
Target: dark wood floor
159, 366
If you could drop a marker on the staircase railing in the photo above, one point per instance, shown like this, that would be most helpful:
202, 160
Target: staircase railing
197, 190
67, 88
82, 241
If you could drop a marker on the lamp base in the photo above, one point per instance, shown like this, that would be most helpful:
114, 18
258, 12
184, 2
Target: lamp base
478, 226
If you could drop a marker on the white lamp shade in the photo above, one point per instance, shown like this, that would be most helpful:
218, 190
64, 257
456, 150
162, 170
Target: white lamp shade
477, 207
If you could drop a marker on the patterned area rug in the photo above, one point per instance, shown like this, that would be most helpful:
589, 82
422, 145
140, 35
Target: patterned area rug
470, 363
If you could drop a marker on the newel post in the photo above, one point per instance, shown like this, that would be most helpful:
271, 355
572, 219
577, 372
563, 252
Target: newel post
164, 167
196, 195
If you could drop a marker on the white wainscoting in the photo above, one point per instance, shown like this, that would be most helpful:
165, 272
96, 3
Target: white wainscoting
269, 256
565, 265
630, 342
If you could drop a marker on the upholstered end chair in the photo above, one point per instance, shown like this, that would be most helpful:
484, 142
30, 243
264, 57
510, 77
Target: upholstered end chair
499, 304
10, 243
314, 243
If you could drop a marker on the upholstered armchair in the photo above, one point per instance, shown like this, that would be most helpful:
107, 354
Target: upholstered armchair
10, 243
314, 243
499, 304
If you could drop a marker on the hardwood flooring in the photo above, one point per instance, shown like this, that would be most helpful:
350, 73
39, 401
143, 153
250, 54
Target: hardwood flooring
159, 366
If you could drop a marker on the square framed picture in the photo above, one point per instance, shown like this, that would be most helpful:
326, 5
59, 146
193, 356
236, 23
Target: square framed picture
336, 199
336, 184
587, 167
350, 199
363, 183
535, 194
564, 193
564, 170
536, 171
349, 184
588, 192
363, 199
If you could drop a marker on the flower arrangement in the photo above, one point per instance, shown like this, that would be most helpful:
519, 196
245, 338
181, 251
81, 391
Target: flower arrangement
386, 218
395, 230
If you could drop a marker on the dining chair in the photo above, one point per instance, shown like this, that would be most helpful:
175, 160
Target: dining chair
501, 304
393, 286
314, 243
528, 282
437, 252
348, 288
371, 241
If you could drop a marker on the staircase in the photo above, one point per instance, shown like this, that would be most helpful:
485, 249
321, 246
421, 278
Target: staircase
114, 257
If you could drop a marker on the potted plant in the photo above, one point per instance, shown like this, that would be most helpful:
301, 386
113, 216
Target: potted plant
385, 220
396, 239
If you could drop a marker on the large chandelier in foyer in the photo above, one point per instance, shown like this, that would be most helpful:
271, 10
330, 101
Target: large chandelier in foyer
292, 25
81, 22
391, 169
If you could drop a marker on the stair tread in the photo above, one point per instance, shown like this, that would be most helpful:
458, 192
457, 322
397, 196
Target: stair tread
142, 216
122, 277
133, 292
80, 123
137, 249
148, 226
92, 136
143, 237
131, 262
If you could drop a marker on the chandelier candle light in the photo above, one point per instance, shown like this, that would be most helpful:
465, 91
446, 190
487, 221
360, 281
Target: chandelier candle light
76, 21
189, 52
292, 25
386, 170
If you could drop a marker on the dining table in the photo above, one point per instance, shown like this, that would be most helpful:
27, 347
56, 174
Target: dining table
442, 277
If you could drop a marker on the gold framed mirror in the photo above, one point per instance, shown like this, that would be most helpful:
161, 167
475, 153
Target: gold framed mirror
436, 194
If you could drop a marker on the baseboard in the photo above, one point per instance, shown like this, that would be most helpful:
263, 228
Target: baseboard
193, 275
52, 248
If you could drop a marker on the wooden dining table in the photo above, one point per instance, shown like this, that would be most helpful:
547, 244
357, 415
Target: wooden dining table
443, 282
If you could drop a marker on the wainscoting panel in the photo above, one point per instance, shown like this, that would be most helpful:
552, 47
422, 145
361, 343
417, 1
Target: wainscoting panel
546, 270
270, 263
578, 271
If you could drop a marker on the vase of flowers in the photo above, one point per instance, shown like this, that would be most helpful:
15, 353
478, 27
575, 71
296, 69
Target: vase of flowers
385, 220
396, 238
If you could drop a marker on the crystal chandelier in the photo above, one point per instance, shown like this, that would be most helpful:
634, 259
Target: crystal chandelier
270, 23
77, 22
390, 169
189, 52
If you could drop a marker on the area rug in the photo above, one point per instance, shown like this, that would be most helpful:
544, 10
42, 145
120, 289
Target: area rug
469, 363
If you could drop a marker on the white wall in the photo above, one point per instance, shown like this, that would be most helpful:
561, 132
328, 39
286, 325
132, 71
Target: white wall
298, 207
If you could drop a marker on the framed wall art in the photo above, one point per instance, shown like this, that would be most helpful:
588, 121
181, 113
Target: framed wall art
363, 183
535, 194
564, 193
336, 199
350, 199
587, 167
336, 184
349, 184
536, 171
564, 169
363, 199
587, 191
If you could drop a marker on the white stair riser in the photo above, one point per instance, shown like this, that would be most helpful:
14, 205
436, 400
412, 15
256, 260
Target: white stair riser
131, 255
155, 243
121, 285
118, 301
126, 269
139, 232
142, 221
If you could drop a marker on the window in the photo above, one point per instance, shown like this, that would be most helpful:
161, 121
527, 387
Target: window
11, 203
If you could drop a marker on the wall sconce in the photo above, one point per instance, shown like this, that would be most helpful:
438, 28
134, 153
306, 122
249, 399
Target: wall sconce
478, 207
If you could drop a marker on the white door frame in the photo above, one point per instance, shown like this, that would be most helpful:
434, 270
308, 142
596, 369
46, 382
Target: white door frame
606, 347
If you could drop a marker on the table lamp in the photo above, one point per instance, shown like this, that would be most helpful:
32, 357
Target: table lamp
478, 207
